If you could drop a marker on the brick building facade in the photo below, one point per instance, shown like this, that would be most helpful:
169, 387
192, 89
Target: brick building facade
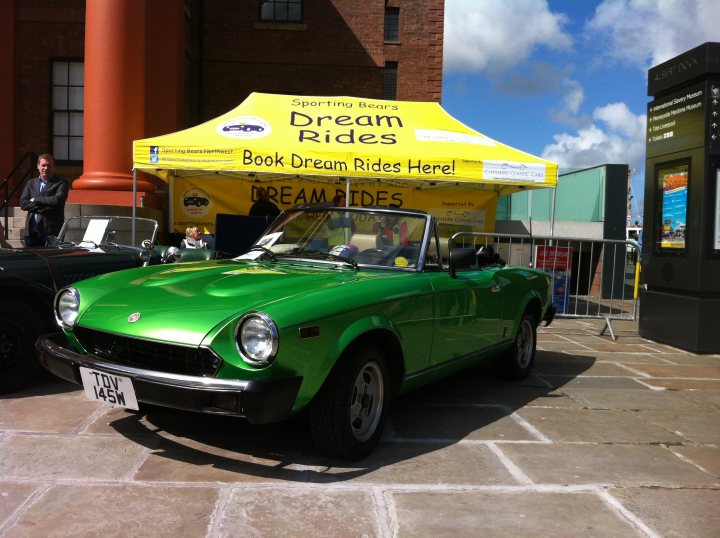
197, 60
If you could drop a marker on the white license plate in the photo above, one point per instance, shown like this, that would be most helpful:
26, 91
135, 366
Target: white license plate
108, 388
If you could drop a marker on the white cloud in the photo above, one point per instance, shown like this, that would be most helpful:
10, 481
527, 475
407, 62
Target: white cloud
621, 140
498, 35
620, 119
573, 98
645, 33
535, 79
574, 95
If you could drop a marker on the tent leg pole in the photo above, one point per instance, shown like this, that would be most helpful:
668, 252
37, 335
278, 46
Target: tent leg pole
552, 213
134, 204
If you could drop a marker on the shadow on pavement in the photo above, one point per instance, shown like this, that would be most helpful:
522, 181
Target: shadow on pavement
421, 422
45, 384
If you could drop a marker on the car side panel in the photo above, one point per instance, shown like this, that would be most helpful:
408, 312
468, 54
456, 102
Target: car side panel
520, 286
51, 269
72, 268
311, 349
468, 312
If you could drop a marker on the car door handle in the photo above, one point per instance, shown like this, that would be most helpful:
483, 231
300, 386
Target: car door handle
496, 287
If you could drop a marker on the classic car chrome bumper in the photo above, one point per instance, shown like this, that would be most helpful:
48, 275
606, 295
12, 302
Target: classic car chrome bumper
259, 401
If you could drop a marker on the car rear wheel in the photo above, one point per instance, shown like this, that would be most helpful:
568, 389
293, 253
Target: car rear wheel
348, 414
518, 361
20, 326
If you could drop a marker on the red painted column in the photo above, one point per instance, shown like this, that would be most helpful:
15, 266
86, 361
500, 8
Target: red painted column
114, 101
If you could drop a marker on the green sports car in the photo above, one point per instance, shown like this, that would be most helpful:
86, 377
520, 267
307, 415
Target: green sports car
333, 311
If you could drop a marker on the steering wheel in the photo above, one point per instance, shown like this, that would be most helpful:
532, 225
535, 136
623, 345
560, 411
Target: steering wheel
371, 255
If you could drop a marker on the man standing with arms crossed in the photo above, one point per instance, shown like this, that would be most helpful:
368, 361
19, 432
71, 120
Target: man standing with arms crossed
44, 199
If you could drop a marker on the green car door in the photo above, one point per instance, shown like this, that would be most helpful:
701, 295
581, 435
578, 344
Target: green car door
468, 313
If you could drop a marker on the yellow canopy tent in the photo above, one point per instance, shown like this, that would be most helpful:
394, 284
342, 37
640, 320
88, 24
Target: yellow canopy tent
303, 147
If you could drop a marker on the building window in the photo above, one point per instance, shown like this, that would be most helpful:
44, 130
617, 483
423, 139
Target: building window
281, 10
68, 105
392, 24
390, 80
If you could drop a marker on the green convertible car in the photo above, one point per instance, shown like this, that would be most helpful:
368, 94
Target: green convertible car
333, 311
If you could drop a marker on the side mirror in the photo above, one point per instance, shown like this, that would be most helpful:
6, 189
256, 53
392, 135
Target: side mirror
486, 255
461, 258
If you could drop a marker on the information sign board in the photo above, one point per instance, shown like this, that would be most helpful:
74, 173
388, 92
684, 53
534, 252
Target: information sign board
673, 186
677, 121
717, 211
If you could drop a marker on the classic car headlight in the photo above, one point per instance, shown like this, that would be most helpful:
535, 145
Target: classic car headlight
257, 338
67, 303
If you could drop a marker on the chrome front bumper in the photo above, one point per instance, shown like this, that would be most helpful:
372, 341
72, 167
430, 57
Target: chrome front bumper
259, 401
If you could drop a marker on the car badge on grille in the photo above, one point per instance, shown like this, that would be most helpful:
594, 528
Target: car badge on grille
132, 318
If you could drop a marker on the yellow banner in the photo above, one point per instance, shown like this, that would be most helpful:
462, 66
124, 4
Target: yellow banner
196, 202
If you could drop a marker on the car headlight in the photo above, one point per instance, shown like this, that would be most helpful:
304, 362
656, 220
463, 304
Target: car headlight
256, 336
67, 304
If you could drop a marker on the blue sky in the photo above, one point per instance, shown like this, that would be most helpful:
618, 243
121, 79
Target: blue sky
566, 79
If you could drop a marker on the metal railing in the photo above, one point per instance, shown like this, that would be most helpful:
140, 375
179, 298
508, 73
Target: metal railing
592, 278
12, 185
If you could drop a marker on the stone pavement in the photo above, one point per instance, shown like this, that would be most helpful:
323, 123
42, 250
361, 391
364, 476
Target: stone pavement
608, 438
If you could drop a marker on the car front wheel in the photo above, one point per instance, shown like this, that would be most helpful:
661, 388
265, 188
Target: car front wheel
348, 415
19, 328
517, 362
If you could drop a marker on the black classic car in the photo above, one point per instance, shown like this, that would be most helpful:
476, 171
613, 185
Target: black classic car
198, 201
29, 278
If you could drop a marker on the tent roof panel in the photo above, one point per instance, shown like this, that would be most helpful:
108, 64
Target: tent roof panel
342, 137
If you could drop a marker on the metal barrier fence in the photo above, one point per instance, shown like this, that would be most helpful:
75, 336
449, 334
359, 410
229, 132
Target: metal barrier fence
592, 278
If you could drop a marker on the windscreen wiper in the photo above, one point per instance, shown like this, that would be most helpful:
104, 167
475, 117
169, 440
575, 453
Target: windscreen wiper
270, 254
319, 254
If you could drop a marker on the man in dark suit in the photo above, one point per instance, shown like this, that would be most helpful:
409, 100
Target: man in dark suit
44, 199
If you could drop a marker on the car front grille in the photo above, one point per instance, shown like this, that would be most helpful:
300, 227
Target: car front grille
149, 355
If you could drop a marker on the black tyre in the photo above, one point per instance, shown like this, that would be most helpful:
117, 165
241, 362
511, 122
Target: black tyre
20, 326
518, 361
348, 415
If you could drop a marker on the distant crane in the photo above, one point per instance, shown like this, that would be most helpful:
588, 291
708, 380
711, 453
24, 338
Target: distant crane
631, 200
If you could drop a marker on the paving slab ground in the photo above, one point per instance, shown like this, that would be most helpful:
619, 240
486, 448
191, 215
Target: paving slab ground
607, 438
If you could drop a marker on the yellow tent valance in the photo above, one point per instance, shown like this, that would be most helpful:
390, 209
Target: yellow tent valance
330, 137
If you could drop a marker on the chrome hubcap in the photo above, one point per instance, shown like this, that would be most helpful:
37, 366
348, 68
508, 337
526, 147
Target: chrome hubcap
366, 402
525, 344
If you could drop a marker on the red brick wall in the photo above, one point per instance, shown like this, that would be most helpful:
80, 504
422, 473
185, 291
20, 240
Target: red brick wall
419, 52
337, 50
7, 88
43, 32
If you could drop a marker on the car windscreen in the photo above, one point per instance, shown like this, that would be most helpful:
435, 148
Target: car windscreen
107, 230
370, 238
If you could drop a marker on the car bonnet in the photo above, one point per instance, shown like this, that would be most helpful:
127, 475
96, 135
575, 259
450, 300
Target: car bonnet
185, 302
